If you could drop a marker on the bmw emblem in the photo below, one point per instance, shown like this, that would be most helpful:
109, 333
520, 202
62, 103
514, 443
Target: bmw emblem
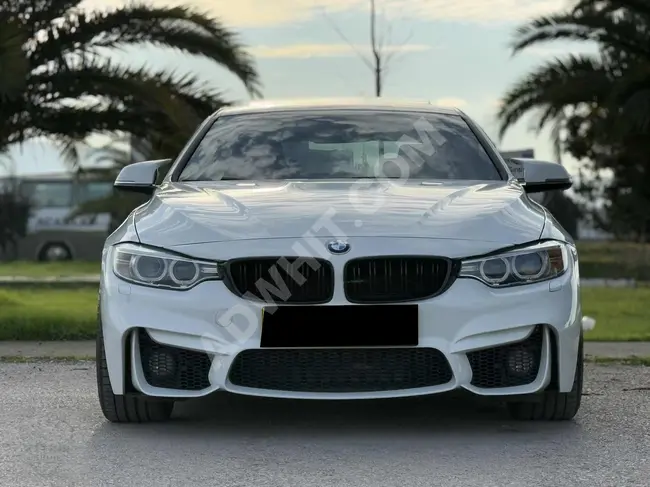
338, 246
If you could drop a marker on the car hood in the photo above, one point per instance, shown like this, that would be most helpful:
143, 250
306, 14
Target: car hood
190, 213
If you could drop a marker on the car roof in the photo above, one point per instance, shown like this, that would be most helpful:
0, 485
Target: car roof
258, 106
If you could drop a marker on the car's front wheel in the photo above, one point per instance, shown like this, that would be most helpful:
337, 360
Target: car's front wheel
554, 405
125, 409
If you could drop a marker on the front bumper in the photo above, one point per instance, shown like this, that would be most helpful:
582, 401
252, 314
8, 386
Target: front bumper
467, 327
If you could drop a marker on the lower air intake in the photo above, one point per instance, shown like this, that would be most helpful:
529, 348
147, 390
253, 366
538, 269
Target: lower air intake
172, 367
515, 364
340, 370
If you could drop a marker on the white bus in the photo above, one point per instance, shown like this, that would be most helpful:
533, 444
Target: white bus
51, 234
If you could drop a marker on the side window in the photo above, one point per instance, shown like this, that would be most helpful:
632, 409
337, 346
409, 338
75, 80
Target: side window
50, 194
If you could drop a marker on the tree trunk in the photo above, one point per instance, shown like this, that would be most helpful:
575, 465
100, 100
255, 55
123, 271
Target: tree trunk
376, 54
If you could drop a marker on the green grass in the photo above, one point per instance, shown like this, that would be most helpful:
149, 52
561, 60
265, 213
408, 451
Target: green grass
48, 314
49, 269
51, 314
621, 314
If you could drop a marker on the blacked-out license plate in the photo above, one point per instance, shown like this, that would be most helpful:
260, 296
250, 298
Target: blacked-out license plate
340, 326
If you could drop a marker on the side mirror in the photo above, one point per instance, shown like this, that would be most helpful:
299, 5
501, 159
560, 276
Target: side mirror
139, 177
540, 176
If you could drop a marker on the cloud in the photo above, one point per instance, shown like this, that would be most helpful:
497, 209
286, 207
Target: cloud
249, 13
450, 102
475, 11
326, 50
560, 51
261, 13
494, 103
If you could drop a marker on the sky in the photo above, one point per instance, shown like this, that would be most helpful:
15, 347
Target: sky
453, 53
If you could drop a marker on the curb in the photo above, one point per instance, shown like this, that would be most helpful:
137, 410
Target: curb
633, 360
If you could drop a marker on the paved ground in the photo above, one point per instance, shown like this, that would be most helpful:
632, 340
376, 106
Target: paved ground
87, 349
618, 350
52, 434
47, 349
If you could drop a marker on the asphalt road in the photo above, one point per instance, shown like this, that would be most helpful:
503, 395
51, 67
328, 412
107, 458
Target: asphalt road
53, 434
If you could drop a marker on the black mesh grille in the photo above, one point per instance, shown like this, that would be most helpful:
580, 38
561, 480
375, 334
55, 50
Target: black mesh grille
280, 279
172, 367
493, 367
340, 370
392, 279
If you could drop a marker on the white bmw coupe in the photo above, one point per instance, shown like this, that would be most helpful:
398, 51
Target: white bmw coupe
340, 250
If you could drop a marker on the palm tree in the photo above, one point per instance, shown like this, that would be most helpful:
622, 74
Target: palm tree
56, 80
599, 103
611, 84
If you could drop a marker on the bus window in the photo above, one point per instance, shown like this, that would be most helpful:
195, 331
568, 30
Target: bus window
92, 190
50, 194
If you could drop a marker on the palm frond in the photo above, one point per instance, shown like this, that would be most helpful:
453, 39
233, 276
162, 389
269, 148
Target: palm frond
14, 64
68, 149
55, 80
552, 87
631, 95
557, 129
78, 122
111, 81
6, 159
157, 107
37, 14
116, 153
637, 7
603, 29
179, 28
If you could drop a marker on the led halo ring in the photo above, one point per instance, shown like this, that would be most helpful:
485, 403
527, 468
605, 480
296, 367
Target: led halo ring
187, 282
492, 280
545, 261
134, 268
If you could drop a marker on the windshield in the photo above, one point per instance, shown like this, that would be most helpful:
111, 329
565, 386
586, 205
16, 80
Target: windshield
339, 144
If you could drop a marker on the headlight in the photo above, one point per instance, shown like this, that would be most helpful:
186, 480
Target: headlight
156, 268
527, 265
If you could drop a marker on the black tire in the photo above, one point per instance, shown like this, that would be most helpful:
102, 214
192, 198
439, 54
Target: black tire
50, 249
554, 406
126, 409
